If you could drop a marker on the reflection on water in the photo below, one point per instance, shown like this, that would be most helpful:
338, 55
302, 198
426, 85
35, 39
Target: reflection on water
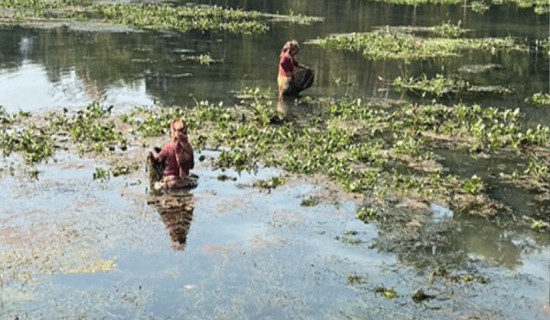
69, 68
143, 67
176, 211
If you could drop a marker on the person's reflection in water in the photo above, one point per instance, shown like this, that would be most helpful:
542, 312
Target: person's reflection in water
176, 211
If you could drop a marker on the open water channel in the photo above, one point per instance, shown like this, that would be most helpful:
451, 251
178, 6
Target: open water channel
89, 249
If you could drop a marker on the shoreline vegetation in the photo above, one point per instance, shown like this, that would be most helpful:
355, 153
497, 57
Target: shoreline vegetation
145, 16
366, 148
209, 18
538, 6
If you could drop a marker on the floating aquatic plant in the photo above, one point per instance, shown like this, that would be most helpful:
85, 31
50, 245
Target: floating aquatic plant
101, 174
539, 99
474, 185
448, 30
388, 293
479, 7
360, 146
146, 16
269, 184
440, 86
539, 6
388, 43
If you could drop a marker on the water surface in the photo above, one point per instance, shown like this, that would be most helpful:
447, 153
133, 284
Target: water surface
232, 251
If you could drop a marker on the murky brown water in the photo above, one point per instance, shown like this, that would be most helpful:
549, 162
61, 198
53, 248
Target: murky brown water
82, 248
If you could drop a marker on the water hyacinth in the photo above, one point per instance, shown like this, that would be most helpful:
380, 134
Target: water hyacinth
539, 6
147, 16
389, 44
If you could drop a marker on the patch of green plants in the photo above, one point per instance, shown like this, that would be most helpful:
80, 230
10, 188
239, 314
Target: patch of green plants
389, 44
298, 18
468, 278
539, 6
177, 18
474, 185
35, 143
538, 169
358, 145
479, 7
101, 174
440, 86
388, 293
540, 99
544, 45
123, 169
448, 30
367, 214
310, 202
269, 184
92, 128
539, 226
204, 59
148, 16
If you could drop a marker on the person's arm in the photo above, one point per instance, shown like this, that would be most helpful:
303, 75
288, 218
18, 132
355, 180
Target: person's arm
299, 65
158, 156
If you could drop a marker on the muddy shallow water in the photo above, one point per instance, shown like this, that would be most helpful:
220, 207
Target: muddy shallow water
91, 249
74, 247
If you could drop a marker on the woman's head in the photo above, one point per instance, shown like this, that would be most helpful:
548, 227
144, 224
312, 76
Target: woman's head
178, 130
291, 47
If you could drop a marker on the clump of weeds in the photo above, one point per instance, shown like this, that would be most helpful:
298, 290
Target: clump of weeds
151, 16
355, 279
539, 99
269, 184
363, 147
389, 44
440, 86
310, 201
388, 293
480, 7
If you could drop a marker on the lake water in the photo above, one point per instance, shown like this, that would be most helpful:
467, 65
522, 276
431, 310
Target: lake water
239, 253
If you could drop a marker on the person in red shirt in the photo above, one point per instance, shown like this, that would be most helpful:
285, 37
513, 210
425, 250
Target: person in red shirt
177, 156
293, 77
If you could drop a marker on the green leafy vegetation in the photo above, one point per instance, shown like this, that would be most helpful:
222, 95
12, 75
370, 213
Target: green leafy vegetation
388, 293
539, 99
440, 86
143, 16
363, 147
390, 43
269, 184
474, 185
539, 6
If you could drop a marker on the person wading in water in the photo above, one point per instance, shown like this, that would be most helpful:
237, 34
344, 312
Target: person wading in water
177, 156
293, 77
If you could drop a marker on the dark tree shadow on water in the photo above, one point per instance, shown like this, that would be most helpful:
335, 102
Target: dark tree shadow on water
176, 211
